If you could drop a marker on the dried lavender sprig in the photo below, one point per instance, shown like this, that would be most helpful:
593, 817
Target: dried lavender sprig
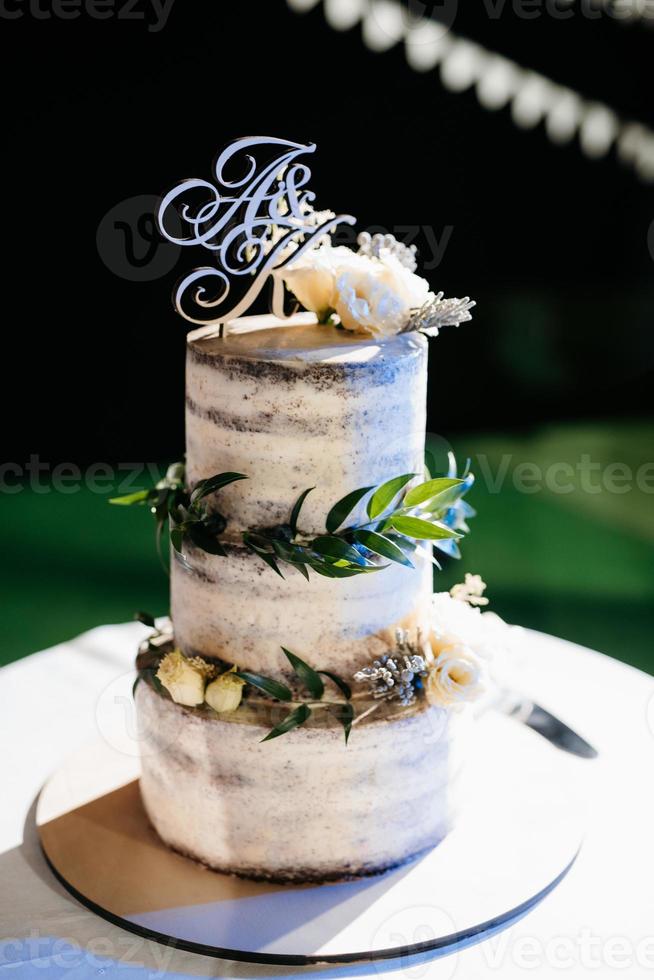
394, 676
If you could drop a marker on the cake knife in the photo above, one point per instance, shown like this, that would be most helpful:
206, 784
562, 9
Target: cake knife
543, 722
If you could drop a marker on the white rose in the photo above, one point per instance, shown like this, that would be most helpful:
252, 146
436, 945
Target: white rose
497, 643
453, 620
184, 679
225, 693
377, 297
455, 677
312, 277
370, 295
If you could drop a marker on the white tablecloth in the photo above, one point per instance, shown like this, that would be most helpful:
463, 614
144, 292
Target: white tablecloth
599, 922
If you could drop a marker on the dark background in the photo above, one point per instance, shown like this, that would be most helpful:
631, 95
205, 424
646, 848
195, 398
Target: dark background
552, 245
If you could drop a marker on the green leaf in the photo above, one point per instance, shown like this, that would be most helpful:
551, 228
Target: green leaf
138, 497
383, 546
270, 562
386, 494
345, 714
139, 677
295, 513
203, 539
332, 547
177, 539
179, 514
204, 487
415, 527
340, 571
266, 684
302, 569
146, 619
341, 510
309, 677
404, 544
440, 504
449, 548
425, 491
296, 718
294, 554
269, 559
344, 688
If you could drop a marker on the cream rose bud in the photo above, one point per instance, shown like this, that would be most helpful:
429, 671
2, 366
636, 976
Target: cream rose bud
225, 693
185, 679
455, 677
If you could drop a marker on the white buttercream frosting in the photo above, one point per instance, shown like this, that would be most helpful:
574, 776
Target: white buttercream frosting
237, 610
303, 806
302, 406
295, 407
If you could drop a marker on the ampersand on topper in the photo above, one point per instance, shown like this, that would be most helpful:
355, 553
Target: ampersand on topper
256, 220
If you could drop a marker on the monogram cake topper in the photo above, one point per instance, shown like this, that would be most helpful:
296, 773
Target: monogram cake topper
255, 216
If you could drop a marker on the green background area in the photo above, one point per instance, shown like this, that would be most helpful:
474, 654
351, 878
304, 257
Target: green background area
576, 564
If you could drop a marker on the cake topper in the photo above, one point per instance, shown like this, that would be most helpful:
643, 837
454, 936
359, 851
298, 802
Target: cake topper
255, 216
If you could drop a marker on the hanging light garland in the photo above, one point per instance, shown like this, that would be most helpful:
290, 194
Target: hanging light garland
498, 81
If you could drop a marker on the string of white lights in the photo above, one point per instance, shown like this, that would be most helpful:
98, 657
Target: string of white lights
498, 82
627, 10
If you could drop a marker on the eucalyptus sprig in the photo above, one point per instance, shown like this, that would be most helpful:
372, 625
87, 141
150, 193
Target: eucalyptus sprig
397, 521
184, 512
160, 643
302, 711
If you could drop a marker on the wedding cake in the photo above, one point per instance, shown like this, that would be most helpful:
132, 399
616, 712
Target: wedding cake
305, 716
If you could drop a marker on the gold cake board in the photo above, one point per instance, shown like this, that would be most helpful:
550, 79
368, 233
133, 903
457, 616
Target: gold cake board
518, 836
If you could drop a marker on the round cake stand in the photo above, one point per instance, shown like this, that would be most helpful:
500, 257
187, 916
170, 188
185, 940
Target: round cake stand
517, 837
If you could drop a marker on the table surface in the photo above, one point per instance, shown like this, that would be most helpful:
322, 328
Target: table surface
599, 921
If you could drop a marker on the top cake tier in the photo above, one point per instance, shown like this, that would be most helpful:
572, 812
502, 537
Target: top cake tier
294, 404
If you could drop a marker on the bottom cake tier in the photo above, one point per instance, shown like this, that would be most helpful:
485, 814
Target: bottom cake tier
304, 806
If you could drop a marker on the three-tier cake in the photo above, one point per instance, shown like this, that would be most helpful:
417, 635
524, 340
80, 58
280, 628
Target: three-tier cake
307, 718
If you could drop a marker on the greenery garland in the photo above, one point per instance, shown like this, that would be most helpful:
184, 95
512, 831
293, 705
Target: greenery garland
397, 519
402, 676
159, 646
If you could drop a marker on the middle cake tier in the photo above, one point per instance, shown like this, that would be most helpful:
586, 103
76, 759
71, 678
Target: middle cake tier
237, 610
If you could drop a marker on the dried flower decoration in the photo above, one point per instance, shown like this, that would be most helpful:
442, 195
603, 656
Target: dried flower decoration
224, 694
398, 676
470, 591
376, 246
438, 312
185, 678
